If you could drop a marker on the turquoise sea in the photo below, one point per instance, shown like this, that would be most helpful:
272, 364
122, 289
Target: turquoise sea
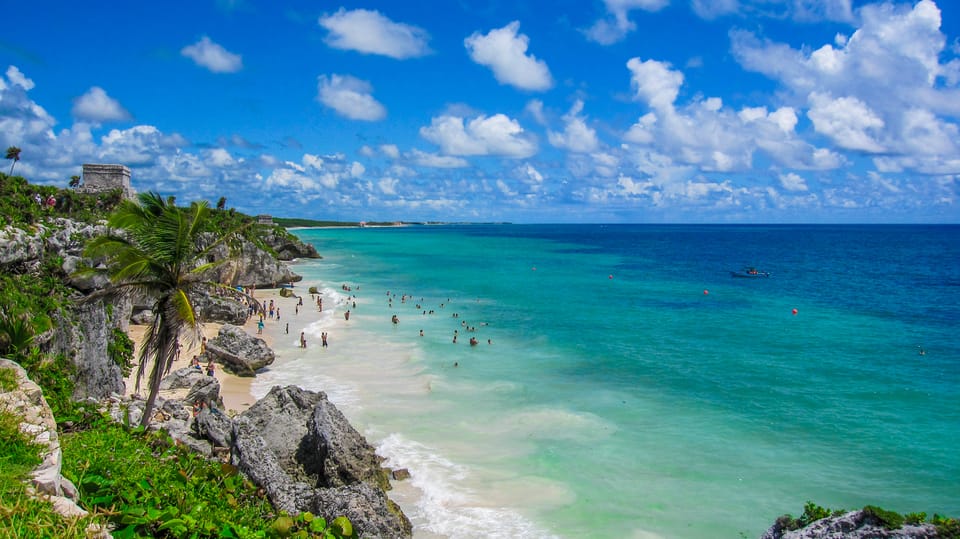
625, 385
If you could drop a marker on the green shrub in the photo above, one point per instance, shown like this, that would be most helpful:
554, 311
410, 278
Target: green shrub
120, 348
888, 519
947, 528
915, 518
150, 487
8, 379
812, 513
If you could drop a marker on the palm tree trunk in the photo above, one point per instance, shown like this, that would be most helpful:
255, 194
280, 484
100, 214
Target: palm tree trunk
168, 331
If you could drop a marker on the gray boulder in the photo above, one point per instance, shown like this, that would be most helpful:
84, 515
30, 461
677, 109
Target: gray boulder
19, 248
182, 378
288, 443
214, 426
852, 525
207, 390
239, 352
224, 310
337, 453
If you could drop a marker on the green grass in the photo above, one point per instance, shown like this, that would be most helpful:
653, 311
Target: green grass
149, 487
20, 515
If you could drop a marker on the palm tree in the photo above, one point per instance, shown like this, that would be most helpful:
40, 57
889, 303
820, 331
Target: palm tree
222, 203
13, 153
163, 251
74, 181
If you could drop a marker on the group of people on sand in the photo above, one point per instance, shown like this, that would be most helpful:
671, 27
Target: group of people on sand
195, 364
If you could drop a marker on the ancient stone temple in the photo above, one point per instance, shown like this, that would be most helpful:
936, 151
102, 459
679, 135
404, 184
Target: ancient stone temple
99, 178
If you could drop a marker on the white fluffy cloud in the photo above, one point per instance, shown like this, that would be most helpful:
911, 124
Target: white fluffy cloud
483, 135
847, 121
17, 78
97, 106
212, 56
370, 32
616, 24
577, 136
390, 150
433, 160
505, 52
654, 82
138, 145
793, 182
350, 97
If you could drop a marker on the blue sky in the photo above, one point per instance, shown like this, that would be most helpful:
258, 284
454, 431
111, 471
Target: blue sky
754, 111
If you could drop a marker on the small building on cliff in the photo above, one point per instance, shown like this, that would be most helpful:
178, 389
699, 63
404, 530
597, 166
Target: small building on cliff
100, 178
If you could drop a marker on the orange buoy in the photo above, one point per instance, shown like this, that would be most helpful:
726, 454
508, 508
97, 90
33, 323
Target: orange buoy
794, 311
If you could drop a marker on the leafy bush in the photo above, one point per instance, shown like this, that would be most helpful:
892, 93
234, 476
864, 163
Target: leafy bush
812, 513
888, 519
148, 486
915, 518
120, 348
947, 528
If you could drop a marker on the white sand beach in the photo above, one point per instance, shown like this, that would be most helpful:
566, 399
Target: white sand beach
235, 390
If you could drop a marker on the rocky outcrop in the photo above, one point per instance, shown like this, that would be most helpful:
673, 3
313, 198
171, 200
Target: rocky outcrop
27, 401
221, 309
287, 246
238, 351
299, 448
83, 335
250, 266
852, 525
82, 331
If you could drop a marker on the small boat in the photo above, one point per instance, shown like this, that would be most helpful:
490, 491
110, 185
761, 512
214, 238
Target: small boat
749, 273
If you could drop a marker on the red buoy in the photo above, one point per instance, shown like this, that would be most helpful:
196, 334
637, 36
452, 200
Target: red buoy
794, 311
705, 291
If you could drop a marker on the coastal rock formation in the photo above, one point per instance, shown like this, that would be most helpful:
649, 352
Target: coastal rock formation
220, 309
18, 247
252, 267
288, 247
238, 351
852, 525
297, 446
82, 331
27, 401
183, 378
84, 335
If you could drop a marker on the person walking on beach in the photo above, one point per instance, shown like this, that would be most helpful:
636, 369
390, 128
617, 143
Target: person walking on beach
303, 340
210, 368
323, 338
286, 330
260, 327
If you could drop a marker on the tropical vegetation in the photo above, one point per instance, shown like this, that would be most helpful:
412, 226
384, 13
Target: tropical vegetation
13, 153
163, 252
111, 464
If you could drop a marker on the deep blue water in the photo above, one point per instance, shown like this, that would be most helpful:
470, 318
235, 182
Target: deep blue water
640, 390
